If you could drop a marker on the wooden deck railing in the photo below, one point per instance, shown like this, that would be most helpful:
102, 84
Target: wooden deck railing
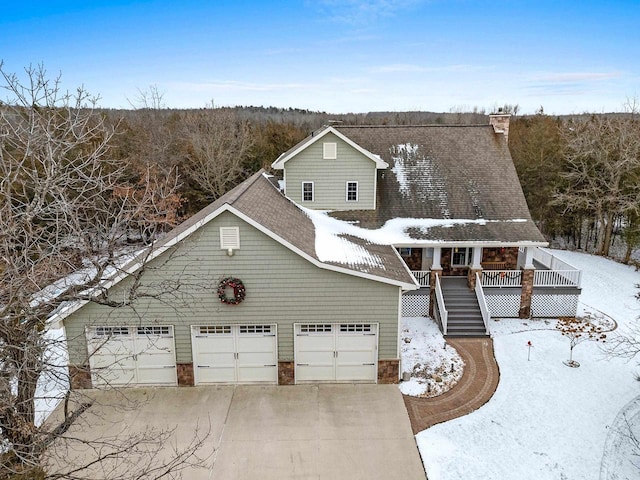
557, 278
484, 308
501, 278
440, 310
422, 276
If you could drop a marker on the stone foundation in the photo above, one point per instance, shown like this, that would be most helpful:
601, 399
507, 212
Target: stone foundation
185, 375
286, 373
388, 371
79, 377
471, 277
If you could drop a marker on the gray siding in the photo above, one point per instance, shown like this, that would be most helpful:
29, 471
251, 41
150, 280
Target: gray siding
330, 177
282, 288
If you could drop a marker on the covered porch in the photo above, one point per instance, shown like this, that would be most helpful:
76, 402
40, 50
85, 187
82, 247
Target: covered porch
509, 281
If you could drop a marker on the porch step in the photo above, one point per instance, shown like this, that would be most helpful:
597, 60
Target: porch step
465, 317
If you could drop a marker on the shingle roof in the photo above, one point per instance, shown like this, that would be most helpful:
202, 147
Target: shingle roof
446, 172
259, 200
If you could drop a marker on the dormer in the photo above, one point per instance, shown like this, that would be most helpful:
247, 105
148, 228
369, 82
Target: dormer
328, 171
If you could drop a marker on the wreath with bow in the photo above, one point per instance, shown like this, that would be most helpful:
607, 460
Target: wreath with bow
235, 284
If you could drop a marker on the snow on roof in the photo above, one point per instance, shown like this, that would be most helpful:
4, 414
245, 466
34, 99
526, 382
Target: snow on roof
333, 246
411, 166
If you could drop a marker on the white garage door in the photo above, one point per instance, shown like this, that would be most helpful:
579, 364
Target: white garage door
143, 355
338, 352
234, 354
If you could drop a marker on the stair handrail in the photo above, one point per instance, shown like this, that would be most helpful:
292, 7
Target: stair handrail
442, 310
482, 302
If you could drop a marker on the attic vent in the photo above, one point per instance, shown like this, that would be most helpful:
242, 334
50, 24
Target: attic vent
229, 237
329, 151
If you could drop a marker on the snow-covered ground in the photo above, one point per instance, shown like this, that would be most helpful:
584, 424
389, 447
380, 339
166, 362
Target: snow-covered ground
427, 357
546, 420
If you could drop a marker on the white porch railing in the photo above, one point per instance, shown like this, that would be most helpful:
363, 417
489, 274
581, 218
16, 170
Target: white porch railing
566, 275
557, 278
422, 276
486, 315
501, 278
440, 309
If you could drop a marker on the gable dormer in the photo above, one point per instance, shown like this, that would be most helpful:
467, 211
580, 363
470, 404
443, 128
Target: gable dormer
328, 171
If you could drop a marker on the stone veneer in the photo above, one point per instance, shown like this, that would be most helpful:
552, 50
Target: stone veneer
388, 371
286, 373
471, 277
79, 377
527, 292
185, 374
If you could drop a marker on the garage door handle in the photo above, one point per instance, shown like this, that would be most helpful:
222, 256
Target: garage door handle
302, 364
372, 364
270, 365
204, 366
169, 366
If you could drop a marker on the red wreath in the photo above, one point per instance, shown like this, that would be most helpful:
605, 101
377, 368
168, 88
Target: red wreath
239, 292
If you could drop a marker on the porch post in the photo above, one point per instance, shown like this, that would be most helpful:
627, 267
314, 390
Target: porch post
528, 273
476, 266
527, 293
436, 269
528, 258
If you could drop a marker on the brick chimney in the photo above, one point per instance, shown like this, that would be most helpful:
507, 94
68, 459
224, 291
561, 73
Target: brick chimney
500, 123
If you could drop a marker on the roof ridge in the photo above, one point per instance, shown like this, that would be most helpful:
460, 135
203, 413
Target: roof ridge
439, 125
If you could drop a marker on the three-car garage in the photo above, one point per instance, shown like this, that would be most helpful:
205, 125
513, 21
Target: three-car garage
233, 354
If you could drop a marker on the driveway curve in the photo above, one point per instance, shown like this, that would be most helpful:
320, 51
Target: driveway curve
477, 385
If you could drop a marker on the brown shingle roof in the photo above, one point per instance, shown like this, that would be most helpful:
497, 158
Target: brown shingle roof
446, 172
262, 202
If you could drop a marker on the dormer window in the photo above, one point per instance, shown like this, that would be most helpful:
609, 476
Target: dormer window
352, 191
329, 150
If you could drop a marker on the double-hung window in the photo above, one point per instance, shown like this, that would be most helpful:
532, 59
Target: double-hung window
307, 191
352, 191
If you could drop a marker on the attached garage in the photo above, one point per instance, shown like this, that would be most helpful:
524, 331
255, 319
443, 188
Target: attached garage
234, 354
128, 355
336, 352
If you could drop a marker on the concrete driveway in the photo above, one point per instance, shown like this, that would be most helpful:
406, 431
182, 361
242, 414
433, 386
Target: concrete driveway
273, 432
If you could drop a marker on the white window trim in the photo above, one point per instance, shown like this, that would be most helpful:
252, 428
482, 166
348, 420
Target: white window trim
467, 257
313, 192
347, 191
229, 238
329, 151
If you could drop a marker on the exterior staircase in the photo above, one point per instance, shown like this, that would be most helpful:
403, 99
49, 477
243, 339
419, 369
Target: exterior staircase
465, 317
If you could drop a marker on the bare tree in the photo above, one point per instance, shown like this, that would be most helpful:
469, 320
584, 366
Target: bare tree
603, 176
218, 145
65, 206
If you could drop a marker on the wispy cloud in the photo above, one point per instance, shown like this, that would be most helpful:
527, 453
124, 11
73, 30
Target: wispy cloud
412, 68
568, 83
356, 12
232, 85
570, 77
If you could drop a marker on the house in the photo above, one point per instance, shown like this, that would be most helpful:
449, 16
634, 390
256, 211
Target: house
305, 280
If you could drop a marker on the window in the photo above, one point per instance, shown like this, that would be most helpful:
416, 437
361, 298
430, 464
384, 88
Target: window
249, 329
355, 328
405, 251
352, 191
461, 257
329, 151
153, 330
215, 329
111, 331
307, 191
229, 237
319, 328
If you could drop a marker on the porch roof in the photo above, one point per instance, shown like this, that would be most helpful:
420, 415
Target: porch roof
456, 172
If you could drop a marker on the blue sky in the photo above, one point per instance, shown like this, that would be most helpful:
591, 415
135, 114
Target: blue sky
336, 55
